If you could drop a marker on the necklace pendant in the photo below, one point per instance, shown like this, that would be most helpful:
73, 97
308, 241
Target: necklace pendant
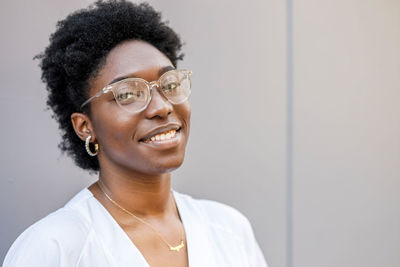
178, 247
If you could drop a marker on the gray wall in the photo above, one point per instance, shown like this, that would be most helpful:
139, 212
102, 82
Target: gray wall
297, 102
346, 133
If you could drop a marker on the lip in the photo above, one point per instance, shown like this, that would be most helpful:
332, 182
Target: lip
160, 129
166, 144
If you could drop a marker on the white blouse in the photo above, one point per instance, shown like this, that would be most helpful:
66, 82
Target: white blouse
84, 234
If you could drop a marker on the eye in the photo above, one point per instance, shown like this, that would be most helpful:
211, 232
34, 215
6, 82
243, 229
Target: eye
130, 96
124, 96
171, 88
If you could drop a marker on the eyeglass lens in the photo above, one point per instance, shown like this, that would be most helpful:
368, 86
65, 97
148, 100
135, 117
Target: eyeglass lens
134, 94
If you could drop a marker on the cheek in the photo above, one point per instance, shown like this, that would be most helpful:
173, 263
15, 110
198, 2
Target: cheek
113, 126
188, 113
184, 111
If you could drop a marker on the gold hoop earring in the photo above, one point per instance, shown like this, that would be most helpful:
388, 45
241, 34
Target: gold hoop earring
96, 147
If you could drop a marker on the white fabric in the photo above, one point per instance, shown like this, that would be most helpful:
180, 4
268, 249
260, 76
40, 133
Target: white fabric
84, 234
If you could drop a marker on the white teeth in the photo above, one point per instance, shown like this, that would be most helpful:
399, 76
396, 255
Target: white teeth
163, 136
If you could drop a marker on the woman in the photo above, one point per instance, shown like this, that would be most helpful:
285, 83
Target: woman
123, 110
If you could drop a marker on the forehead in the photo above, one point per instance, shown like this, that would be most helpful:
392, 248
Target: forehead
133, 57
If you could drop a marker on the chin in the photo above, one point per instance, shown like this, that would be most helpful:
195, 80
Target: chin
165, 167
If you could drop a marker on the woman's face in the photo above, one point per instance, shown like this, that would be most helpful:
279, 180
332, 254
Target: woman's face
123, 137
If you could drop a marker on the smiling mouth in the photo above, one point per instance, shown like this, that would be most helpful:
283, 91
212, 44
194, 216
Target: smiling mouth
164, 136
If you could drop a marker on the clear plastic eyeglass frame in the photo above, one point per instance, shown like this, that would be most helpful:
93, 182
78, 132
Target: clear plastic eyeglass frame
185, 74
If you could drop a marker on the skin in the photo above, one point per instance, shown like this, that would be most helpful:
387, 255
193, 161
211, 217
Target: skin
135, 174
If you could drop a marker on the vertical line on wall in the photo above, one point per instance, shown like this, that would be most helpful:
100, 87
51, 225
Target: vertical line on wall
289, 133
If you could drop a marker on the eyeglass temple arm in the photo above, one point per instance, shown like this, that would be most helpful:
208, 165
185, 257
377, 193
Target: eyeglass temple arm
103, 91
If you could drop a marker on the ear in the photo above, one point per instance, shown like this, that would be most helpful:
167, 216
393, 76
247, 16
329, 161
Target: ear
83, 126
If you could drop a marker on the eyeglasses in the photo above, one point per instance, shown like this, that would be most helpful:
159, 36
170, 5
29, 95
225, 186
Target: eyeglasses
134, 94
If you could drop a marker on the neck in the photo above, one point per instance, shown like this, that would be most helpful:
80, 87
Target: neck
143, 195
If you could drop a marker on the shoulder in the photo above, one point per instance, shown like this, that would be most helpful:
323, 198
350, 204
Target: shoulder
63, 232
228, 228
219, 215
62, 225
67, 224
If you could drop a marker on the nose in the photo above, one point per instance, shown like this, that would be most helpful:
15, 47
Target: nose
159, 106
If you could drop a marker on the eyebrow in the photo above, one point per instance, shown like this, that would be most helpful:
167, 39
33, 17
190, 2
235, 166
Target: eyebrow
160, 72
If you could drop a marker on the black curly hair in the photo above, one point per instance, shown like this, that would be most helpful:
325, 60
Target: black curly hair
78, 49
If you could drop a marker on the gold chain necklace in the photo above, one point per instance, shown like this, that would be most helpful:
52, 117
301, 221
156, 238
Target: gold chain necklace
171, 248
